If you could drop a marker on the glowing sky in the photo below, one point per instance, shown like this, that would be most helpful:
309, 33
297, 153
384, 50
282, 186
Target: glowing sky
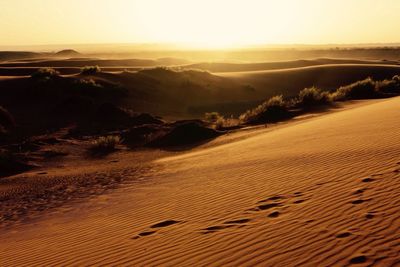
209, 23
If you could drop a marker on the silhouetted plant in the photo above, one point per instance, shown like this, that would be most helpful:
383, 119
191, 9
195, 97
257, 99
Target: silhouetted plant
90, 70
45, 74
389, 86
313, 96
105, 144
365, 89
272, 110
212, 116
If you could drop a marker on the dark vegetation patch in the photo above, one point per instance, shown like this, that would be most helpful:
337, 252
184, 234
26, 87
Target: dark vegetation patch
105, 144
278, 108
90, 70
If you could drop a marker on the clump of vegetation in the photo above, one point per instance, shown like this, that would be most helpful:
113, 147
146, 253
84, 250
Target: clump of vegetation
311, 97
273, 110
212, 116
219, 121
365, 89
105, 144
45, 74
90, 70
389, 86
84, 83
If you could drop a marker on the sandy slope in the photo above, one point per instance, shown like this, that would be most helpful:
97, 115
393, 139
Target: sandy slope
324, 192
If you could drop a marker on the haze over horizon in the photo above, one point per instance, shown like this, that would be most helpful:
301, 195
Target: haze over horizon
205, 24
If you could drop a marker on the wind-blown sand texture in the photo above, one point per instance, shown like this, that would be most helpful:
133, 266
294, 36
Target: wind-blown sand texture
323, 192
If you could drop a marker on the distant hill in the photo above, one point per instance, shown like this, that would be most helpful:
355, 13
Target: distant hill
68, 53
16, 55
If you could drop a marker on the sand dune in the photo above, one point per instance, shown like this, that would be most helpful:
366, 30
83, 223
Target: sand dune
279, 65
329, 76
323, 192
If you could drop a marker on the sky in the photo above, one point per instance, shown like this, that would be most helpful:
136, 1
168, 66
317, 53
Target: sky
203, 23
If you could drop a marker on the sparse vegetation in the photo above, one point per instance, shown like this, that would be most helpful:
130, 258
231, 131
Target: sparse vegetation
276, 109
219, 121
90, 70
87, 83
212, 116
45, 74
311, 97
389, 86
365, 89
272, 110
105, 144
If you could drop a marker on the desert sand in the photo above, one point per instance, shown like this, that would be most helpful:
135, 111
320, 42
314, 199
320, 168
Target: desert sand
321, 192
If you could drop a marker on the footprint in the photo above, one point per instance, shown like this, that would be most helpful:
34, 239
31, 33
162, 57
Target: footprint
274, 214
369, 216
268, 206
357, 201
164, 224
343, 235
367, 180
146, 233
299, 201
359, 191
240, 221
358, 259
213, 229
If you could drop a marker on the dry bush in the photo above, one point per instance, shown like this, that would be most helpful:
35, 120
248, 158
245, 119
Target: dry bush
365, 89
45, 74
272, 110
389, 86
90, 70
311, 97
105, 144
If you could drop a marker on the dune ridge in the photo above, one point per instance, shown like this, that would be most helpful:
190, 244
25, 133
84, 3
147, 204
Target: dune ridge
324, 192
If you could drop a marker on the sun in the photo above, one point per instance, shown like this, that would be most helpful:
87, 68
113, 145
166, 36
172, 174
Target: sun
217, 24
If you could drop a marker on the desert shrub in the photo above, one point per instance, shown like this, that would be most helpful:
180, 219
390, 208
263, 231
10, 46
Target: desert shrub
105, 144
365, 89
389, 86
220, 123
6, 119
212, 116
82, 83
45, 74
311, 97
272, 110
90, 70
